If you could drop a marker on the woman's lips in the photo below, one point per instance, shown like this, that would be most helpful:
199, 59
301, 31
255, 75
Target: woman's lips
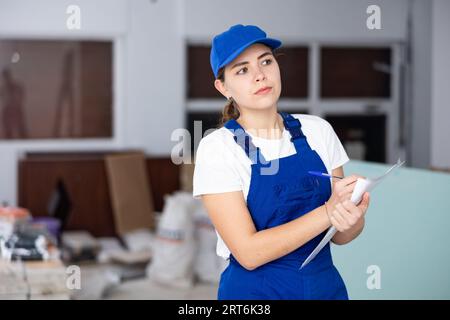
264, 90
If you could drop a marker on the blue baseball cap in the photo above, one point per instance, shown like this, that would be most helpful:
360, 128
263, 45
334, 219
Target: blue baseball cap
229, 44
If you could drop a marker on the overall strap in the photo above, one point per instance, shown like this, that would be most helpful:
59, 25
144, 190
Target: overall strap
245, 142
294, 127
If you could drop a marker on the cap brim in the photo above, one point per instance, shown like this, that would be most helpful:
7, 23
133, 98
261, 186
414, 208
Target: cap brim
273, 43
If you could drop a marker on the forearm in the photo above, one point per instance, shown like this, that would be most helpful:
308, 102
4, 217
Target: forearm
349, 235
270, 244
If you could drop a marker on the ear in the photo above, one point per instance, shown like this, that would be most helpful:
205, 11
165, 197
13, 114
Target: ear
221, 88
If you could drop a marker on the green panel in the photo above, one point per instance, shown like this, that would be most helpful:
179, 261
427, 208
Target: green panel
406, 236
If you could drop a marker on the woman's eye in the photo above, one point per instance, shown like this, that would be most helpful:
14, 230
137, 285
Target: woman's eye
244, 70
240, 71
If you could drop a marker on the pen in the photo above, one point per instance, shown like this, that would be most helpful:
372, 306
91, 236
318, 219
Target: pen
324, 175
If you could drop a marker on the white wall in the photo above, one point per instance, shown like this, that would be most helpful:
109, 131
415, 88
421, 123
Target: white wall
297, 20
47, 18
440, 84
154, 75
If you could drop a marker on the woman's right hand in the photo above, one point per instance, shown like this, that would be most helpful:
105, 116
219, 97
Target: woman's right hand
342, 191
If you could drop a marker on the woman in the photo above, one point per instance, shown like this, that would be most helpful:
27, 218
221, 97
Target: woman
252, 176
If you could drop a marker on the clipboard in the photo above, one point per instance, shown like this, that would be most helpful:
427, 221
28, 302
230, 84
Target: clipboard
362, 186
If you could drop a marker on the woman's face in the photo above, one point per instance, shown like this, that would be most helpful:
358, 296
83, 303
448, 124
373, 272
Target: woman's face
254, 69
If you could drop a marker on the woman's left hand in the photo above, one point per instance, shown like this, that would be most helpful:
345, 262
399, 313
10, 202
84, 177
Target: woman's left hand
346, 214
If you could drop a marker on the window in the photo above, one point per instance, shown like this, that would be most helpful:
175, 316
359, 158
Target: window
55, 89
200, 79
293, 62
355, 72
363, 136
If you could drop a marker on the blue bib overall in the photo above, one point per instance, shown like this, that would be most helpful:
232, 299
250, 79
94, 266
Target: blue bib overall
275, 199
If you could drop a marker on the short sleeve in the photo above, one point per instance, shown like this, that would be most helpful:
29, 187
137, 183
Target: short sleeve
214, 170
336, 152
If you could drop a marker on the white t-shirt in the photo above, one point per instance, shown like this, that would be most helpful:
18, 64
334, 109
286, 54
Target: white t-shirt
221, 165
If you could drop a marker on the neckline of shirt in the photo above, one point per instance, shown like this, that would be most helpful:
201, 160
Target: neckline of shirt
265, 140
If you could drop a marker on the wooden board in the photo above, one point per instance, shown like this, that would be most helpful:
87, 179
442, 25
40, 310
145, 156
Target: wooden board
130, 192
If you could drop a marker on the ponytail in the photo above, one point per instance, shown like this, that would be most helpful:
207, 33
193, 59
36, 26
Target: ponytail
230, 110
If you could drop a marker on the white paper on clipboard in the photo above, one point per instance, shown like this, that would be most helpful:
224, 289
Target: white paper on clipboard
362, 185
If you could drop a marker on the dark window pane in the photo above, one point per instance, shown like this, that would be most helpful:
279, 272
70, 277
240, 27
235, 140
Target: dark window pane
355, 72
55, 89
200, 78
363, 136
293, 62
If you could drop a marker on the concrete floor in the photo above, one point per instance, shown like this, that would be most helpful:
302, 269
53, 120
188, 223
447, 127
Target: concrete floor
106, 281
145, 289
